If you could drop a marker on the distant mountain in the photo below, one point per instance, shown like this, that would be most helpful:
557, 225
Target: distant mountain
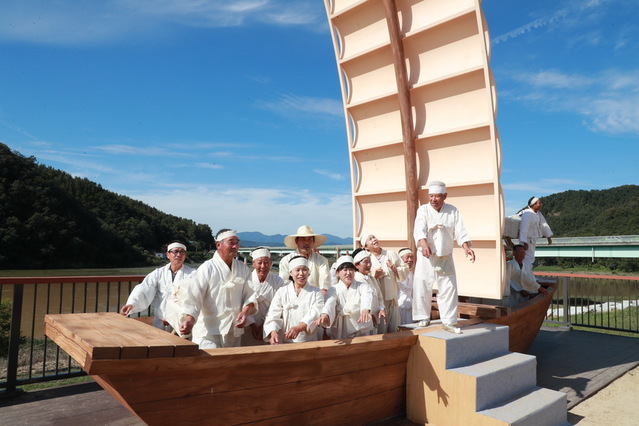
50, 219
254, 239
613, 211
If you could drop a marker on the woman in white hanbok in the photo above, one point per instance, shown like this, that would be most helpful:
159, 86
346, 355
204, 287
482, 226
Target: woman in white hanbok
349, 303
295, 308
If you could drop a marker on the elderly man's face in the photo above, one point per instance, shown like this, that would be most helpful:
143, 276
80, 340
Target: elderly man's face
305, 245
437, 200
372, 242
409, 259
176, 257
364, 266
228, 247
536, 206
262, 266
519, 254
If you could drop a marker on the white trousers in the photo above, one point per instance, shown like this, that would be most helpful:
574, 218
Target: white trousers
425, 277
219, 341
529, 259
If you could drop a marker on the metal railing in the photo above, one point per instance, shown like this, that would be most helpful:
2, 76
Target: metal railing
32, 357
604, 302
592, 301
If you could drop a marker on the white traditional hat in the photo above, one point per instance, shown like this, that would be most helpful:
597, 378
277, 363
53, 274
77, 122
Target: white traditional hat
436, 187
363, 238
405, 251
175, 245
344, 259
298, 261
361, 256
304, 231
260, 252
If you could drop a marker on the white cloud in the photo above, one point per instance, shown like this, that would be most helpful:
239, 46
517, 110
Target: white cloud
268, 210
293, 104
329, 174
89, 22
212, 166
555, 79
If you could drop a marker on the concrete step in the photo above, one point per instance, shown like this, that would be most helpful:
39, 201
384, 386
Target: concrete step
537, 407
498, 379
478, 342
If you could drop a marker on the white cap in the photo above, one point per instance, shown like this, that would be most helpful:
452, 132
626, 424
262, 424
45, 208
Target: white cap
343, 259
364, 238
436, 187
226, 234
404, 252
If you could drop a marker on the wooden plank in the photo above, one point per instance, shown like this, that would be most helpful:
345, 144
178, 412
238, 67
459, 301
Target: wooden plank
255, 404
79, 354
108, 335
77, 328
192, 382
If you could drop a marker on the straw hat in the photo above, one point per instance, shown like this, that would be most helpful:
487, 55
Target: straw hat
304, 231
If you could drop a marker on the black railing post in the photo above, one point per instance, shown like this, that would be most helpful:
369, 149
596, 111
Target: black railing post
14, 341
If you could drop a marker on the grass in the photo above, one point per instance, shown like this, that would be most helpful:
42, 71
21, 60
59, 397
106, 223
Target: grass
56, 383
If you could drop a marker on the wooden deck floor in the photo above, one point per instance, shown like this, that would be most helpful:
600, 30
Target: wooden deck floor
576, 362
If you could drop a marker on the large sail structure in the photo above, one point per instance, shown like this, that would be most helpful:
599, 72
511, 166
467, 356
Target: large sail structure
420, 105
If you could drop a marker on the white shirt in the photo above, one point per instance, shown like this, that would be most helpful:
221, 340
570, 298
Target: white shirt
217, 296
389, 283
533, 226
264, 293
155, 289
520, 278
288, 309
343, 307
440, 228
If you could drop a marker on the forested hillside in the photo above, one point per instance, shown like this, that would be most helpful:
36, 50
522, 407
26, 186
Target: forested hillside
613, 211
49, 219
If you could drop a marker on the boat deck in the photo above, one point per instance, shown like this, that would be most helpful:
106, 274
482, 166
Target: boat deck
578, 363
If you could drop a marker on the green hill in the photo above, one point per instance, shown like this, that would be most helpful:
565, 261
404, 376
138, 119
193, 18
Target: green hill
613, 211
50, 219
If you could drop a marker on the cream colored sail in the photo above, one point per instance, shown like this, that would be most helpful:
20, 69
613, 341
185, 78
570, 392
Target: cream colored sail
420, 105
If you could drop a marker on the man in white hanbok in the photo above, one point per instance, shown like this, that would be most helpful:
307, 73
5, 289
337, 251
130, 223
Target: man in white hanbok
219, 301
532, 227
295, 308
388, 270
265, 284
437, 226
405, 299
348, 307
522, 284
155, 289
305, 242
362, 262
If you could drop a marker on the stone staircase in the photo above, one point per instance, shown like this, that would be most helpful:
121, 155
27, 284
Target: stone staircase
472, 379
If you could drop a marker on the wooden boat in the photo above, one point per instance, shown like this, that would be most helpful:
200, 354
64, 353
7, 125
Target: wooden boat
420, 105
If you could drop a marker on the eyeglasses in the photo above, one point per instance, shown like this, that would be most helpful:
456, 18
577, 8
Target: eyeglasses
176, 252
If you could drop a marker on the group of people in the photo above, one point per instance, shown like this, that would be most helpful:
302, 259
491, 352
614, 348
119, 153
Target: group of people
373, 290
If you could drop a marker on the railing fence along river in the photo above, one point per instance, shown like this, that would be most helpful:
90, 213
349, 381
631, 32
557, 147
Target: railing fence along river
591, 300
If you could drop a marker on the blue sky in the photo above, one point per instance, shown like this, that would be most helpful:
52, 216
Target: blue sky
229, 112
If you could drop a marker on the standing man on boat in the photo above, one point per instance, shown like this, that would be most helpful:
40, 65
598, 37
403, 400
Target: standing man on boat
155, 289
532, 227
389, 271
220, 299
437, 226
306, 242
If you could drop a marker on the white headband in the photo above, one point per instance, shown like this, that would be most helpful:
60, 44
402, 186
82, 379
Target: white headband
437, 187
342, 260
361, 256
260, 252
175, 245
297, 261
533, 201
363, 239
226, 234
405, 251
